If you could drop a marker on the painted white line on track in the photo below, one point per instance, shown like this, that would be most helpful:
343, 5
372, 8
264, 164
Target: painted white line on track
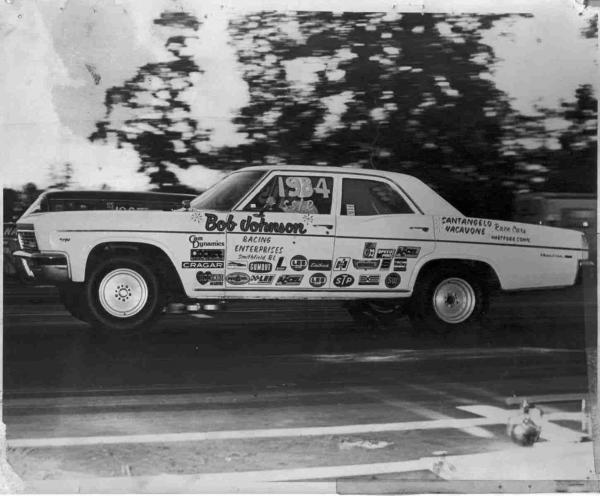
550, 431
253, 434
417, 409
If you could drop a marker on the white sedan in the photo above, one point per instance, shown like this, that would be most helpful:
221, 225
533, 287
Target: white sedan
380, 240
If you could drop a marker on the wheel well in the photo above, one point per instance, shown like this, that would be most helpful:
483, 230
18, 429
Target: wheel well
485, 272
160, 262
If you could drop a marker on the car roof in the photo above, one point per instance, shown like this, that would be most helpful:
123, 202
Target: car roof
330, 169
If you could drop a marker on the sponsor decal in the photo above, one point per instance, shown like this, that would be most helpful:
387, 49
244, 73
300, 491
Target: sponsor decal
386, 253
341, 264
236, 263
408, 251
261, 267
369, 249
400, 264
319, 265
208, 277
289, 280
214, 223
257, 248
238, 278
372, 280
207, 254
261, 279
202, 265
198, 242
280, 265
385, 264
392, 280
318, 280
465, 225
298, 262
366, 264
343, 280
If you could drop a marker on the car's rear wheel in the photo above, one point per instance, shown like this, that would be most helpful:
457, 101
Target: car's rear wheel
123, 295
448, 299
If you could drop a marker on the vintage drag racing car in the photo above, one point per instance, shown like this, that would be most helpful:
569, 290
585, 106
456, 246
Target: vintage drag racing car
380, 240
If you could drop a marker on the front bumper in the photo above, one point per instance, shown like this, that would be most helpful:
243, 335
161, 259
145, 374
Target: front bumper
43, 267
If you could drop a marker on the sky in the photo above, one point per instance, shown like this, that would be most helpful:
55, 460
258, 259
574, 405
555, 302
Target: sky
51, 97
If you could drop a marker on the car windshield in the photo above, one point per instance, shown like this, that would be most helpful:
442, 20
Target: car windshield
226, 193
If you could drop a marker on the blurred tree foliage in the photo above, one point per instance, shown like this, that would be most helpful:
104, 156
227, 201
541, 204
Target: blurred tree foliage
150, 110
409, 93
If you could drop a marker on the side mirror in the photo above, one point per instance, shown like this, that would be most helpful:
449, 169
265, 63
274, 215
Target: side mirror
185, 204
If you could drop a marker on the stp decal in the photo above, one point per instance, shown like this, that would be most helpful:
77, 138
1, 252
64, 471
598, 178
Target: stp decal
238, 278
392, 280
289, 280
341, 264
318, 280
369, 250
260, 267
366, 264
299, 262
319, 265
343, 280
408, 251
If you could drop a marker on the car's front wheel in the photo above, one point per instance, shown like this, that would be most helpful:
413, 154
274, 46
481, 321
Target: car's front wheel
447, 300
123, 295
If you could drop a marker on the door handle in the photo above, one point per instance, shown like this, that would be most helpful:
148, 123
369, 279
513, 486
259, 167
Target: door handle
328, 226
423, 228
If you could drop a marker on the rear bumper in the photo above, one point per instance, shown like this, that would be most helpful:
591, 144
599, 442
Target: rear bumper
43, 266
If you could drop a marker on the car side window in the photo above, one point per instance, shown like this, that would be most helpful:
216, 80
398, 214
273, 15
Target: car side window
367, 197
294, 194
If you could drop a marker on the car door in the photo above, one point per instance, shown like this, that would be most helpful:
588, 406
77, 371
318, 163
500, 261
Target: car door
380, 236
283, 240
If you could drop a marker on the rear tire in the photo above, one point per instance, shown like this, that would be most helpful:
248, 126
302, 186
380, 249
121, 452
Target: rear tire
122, 295
448, 300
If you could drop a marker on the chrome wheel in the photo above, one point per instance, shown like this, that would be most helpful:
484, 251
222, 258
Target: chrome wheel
123, 293
454, 300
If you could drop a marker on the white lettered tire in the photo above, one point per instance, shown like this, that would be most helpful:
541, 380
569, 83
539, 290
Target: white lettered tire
448, 299
122, 295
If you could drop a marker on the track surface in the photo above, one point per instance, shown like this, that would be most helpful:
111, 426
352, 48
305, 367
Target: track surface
278, 386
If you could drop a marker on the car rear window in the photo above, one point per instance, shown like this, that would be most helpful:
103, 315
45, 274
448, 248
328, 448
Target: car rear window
365, 197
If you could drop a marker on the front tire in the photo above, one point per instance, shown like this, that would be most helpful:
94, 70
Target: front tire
448, 300
123, 295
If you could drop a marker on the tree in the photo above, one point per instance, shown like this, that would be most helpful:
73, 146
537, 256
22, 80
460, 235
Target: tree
403, 93
150, 110
61, 178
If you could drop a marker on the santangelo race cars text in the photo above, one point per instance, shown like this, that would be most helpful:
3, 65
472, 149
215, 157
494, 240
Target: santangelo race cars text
383, 241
